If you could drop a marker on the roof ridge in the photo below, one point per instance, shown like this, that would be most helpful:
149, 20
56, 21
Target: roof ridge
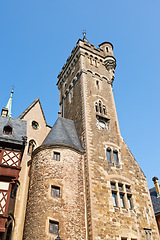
30, 107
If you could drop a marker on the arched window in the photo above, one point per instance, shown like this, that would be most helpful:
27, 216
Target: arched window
7, 130
31, 146
96, 106
100, 106
104, 109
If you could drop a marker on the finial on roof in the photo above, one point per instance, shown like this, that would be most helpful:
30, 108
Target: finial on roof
84, 37
9, 103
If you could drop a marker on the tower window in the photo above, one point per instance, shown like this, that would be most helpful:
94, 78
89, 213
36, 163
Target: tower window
7, 130
53, 227
115, 154
56, 156
100, 107
109, 154
97, 84
55, 191
122, 200
129, 201
31, 146
114, 197
120, 197
107, 50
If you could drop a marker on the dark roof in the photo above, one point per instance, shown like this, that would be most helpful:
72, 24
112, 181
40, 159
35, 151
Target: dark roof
63, 132
19, 130
155, 200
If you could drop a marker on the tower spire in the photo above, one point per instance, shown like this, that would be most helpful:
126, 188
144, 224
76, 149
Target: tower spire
84, 37
9, 103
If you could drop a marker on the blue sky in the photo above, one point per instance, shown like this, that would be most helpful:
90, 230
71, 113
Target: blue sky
37, 37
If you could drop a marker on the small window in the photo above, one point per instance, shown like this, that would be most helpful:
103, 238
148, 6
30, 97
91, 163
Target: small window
97, 84
127, 188
115, 154
122, 200
35, 125
7, 130
114, 197
53, 227
55, 191
113, 186
120, 187
31, 146
107, 50
56, 156
109, 154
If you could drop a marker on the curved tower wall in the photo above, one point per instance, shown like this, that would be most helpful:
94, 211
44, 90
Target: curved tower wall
69, 209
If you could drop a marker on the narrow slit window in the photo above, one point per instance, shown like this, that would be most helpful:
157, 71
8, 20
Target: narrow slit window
56, 156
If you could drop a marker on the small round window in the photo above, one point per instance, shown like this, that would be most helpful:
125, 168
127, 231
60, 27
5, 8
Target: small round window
35, 125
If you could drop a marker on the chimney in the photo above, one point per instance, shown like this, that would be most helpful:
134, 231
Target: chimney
156, 183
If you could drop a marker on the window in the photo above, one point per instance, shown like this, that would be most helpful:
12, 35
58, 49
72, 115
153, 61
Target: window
55, 191
112, 156
122, 200
31, 146
56, 156
120, 196
53, 227
120, 186
35, 125
129, 201
148, 233
115, 154
114, 195
7, 130
109, 154
113, 186
99, 106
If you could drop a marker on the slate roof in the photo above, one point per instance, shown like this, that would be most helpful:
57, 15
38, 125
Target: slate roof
155, 200
19, 130
63, 132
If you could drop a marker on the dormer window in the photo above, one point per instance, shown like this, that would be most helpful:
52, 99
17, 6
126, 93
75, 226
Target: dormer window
7, 130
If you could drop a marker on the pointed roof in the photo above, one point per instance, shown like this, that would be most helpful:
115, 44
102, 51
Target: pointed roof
155, 200
63, 132
30, 107
84, 37
9, 104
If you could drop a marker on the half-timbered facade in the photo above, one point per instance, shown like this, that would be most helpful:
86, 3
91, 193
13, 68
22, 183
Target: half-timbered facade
12, 143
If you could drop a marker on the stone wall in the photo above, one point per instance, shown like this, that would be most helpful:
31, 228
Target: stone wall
69, 209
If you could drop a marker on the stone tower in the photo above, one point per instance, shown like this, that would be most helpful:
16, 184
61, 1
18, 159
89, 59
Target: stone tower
97, 177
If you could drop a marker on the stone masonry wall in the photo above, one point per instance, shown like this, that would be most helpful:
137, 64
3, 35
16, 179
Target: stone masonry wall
69, 209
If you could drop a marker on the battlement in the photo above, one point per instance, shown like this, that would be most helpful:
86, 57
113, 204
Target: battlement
104, 54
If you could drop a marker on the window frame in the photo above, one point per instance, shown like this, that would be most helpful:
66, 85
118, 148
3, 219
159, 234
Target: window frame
56, 156
54, 191
52, 227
